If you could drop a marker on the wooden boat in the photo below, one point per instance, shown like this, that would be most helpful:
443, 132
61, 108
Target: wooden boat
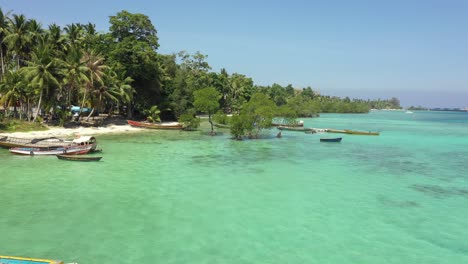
74, 150
297, 129
330, 139
352, 132
20, 260
174, 125
221, 125
297, 124
78, 158
50, 142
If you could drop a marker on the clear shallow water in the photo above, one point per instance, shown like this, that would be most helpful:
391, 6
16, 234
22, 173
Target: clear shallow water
178, 197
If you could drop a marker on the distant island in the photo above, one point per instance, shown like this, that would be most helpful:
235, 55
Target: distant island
421, 108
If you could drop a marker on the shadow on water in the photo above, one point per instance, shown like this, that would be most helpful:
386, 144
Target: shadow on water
439, 192
395, 203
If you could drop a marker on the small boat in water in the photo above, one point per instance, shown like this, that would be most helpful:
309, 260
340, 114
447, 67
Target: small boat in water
49, 142
299, 123
174, 125
20, 260
352, 132
75, 150
78, 158
298, 129
330, 139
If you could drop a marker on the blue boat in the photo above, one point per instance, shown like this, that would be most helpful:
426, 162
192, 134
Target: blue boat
330, 140
20, 260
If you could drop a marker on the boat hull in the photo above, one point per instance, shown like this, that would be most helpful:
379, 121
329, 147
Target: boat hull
21, 260
297, 129
330, 139
154, 126
78, 158
51, 151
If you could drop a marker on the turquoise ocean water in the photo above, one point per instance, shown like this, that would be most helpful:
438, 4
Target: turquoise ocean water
183, 197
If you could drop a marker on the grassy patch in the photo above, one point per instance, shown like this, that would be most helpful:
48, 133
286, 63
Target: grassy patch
20, 126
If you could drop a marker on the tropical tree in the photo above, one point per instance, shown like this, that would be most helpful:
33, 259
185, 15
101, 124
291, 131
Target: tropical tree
13, 90
17, 39
75, 73
3, 32
42, 71
95, 72
207, 100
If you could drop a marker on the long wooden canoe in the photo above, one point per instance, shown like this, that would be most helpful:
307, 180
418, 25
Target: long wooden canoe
298, 124
352, 132
50, 142
78, 158
21, 260
297, 129
330, 139
74, 150
221, 125
174, 126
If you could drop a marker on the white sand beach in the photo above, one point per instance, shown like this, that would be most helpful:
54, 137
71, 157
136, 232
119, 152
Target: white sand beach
77, 131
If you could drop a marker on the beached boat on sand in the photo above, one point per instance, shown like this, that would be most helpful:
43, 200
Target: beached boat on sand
174, 125
78, 158
74, 150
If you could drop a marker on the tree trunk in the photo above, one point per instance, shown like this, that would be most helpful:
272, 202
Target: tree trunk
38, 107
3, 65
90, 114
211, 123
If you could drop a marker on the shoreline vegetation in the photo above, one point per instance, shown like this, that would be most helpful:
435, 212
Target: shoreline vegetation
69, 75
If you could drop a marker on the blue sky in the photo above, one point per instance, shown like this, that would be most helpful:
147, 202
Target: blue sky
414, 50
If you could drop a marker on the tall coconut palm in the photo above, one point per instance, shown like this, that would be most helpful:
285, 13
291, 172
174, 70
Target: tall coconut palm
95, 72
13, 90
75, 73
74, 34
42, 72
17, 38
55, 38
3, 32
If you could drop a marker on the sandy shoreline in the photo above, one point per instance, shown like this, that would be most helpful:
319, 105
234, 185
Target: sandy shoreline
72, 132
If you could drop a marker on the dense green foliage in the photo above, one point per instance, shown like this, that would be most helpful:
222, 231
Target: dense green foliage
45, 71
206, 100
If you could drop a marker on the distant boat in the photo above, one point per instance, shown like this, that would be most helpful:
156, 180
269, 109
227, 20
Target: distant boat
330, 139
174, 125
299, 123
352, 132
298, 129
78, 158
409, 112
20, 260
52, 151
221, 125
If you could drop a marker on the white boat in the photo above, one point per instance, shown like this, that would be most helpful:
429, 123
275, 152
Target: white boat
74, 150
408, 112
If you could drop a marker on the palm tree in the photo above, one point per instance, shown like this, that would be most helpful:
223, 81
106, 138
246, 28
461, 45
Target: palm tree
55, 38
95, 72
75, 73
17, 38
42, 72
74, 34
13, 90
3, 32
